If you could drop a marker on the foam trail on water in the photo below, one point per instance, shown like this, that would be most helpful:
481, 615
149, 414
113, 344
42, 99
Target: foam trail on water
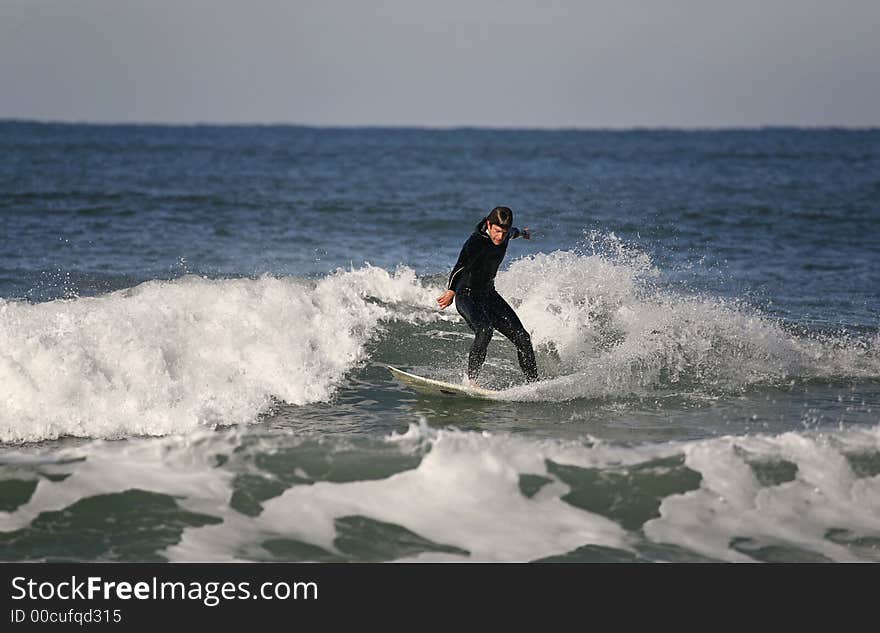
183, 466
826, 508
466, 493
792, 496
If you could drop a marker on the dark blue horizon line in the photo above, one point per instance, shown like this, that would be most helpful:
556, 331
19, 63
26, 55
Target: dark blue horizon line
442, 128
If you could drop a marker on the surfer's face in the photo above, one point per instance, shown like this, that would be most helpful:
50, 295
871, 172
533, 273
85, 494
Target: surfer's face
496, 233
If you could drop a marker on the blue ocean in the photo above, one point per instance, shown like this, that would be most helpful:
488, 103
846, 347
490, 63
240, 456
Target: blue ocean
195, 323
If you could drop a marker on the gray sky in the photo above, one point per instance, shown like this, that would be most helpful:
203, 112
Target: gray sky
499, 63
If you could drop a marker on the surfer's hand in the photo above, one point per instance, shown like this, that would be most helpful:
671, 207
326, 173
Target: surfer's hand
445, 299
525, 234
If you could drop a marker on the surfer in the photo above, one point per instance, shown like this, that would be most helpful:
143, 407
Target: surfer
472, 285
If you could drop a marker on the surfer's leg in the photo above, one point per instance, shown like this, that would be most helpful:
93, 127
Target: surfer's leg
504, 320
479, 321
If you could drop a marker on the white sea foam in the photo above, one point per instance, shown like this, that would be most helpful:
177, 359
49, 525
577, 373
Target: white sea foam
825, 496
465, 493
183, 466
167, 356
170, 356
608, 330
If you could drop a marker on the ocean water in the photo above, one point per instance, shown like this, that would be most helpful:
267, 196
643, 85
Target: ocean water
195, 322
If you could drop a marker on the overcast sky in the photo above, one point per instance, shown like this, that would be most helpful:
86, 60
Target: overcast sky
499, 63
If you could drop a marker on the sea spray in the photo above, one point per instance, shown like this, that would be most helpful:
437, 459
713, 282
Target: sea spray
167, 356
608, 329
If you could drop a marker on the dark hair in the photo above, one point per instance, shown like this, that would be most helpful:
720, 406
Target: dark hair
502, 216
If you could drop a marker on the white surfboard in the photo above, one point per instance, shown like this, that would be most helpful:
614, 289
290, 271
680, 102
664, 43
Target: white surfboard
440, 388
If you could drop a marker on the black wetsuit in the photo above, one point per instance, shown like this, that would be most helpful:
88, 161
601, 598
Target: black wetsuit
473, 280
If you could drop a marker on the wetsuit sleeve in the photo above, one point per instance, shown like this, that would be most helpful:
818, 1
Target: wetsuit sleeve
515, 233
466, 259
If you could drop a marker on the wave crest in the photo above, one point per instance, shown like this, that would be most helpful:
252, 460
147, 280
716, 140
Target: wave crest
167, 356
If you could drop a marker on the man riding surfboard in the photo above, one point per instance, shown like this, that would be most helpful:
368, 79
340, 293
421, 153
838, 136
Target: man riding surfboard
472, 286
